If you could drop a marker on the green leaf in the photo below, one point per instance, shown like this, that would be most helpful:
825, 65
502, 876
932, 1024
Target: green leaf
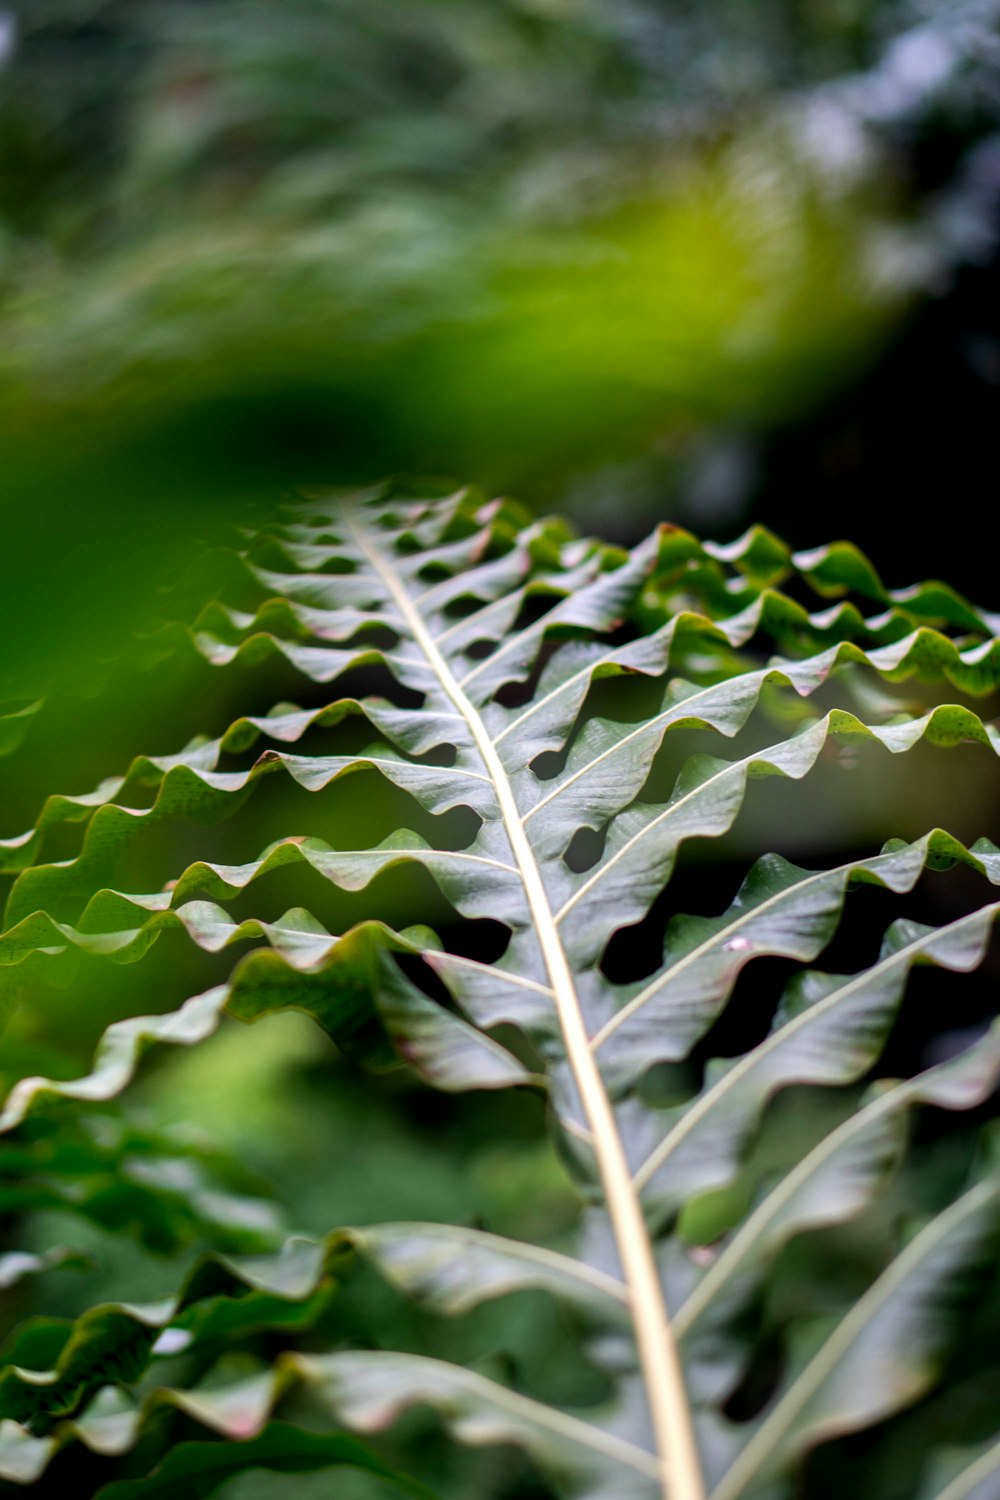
196, 1470
542, 686
888, 1349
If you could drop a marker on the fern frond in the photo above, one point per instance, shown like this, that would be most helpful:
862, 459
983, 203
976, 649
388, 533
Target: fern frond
499, 635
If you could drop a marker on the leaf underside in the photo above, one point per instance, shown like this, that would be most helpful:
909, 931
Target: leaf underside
584, 714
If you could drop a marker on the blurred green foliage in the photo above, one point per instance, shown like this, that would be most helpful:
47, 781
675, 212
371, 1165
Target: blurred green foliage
244, 245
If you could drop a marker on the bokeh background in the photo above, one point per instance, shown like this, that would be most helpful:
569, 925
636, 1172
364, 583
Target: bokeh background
631, 260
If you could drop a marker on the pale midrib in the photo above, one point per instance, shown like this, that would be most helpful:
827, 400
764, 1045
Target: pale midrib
330, 857
515, 1250
679, 1463
454, 961
402, 851
337, 763
523, 1408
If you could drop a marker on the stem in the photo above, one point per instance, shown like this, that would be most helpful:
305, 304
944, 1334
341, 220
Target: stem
680, 1467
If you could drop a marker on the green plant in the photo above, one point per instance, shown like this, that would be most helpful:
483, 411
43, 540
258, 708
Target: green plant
758, 1268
